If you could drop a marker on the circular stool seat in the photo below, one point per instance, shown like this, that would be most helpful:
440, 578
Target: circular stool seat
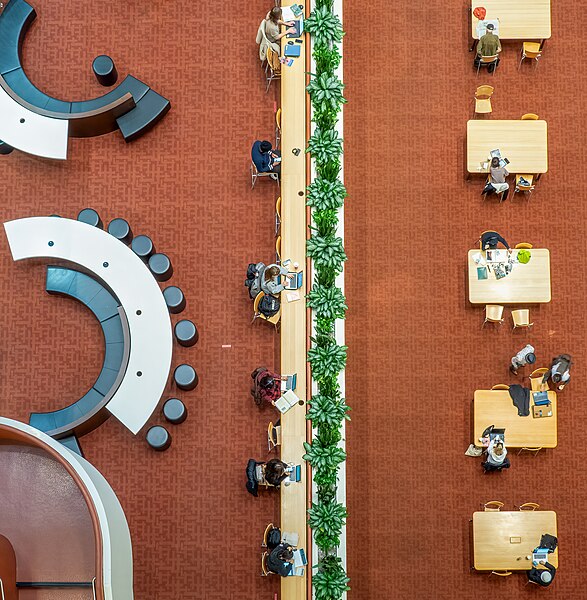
143, 247
185, 377
174, 411
160, 266
121, 230
158, 438
185, 333
104, 70
91, 217
5, 148
174, 299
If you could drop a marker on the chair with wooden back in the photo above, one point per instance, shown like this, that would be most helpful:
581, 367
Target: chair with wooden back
273, 436
265, 534
483, 99
521, 318
536, 379
501, 386
531, 50
500, 573
274, 320
534, 451
493, 506
524, 184
493, 314
265, 572
255, 174
523, 245
273, 66
277, 127
277, 215
485, 61
500, 195
278, 250
529, 506
8, 589
529, 117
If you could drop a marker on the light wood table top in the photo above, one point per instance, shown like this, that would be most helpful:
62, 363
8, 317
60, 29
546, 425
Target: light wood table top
293, 314
523, 143
495, 407
526, 284
503, 539
519, 20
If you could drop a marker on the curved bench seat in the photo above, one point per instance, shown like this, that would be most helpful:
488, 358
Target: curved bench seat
87, 118
89, 411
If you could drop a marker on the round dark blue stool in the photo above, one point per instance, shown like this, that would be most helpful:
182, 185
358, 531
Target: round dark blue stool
5, 148
160, 266
185, 377
143, 247
174, 299
91, 217
104, 70
158, 438
121, 230
174, 411
185, 333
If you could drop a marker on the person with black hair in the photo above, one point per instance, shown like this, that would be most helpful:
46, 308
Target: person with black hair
280, 560
275, 471
524, 357
543, 577
497, 183
490, 240
560, 371
266, 386
265, 158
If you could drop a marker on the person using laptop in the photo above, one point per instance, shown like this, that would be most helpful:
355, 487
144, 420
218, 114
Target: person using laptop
273, 23
280, 560
489, 45
496, 456
266, 385
543, 577
497, 180
490, 240
265, 158
560, 371
524, 357
275, 471
270, 283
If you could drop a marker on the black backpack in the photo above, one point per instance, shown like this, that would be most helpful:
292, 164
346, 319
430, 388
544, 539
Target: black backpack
253, 280
269, 306
273, 538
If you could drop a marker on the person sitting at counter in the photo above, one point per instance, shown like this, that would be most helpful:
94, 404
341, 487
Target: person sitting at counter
265, 158
269, 279
273, 23
280, 560
266, 386
496, 456
490, 240
273, 472
543, 577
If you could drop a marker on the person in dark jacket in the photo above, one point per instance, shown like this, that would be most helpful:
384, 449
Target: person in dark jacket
266, 386
265, 158
490, 240
543, 577
275, 471
560, 371
280, 560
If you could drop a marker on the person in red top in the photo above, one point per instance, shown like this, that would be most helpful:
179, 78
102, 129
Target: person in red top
266, 386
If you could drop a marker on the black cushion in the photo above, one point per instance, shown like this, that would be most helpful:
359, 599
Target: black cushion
129, 84
160, 266
174, 299
186, 332
19, 83
158, 438
14, 22
148, 112
185, 377
142, 246
91, 217
174, 411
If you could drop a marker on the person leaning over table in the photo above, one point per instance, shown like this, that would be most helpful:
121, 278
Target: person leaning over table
275, 471
273, 25
489, 45
544, 576
265, 158
496, 456
490, 240
497, 180
280, 559
269, 282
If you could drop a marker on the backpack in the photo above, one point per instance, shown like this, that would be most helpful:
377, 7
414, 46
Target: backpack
273, 538
269, 306
253, 280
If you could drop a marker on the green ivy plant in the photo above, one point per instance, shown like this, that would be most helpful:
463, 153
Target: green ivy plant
331, 580
325, 194
327, 520
327, 252
327, 302
327, 410
327, 58
325, 145
325, 222
327, 361
326, 92
325, 26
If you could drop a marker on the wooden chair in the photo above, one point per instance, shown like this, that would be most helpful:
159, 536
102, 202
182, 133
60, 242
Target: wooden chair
486, 61
535, 451
8, 589
277, 127
278, 250
529, 117
255, 174
529, 506
501, 386
273, 435
523, 245
493, 314
273, 66
526, 188
532, 51
499, 194
500, 573
274, 320
483, 99
265, 572
521, 318
265, 534
277, 215
536, 379
493, 506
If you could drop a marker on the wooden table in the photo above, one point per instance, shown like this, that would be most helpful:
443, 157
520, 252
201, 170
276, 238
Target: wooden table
495, 534
523, 143
519, 20
495, 407
526, 284
293, 314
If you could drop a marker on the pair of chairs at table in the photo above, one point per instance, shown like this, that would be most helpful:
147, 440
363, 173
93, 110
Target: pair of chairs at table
530, 50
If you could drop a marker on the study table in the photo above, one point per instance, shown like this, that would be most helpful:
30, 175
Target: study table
495, 407
523, 143
519, 20
293, 314
503, 539
525, 284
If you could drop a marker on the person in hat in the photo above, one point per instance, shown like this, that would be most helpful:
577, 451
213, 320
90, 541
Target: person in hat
490, 239
560, 371
524, 357
265, 158
489, 45
544, 576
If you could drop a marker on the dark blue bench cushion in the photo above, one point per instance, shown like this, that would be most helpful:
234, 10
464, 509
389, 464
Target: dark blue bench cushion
14, 21
148, 112
19, 83
59, 279
112, 330
130, 84
103, 305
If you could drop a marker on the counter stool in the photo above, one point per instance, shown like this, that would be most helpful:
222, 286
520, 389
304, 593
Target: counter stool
160, 266
158, 438
174, 299
185, 377
91, 217
104, 70
121, 230
143, 247
174, 411
5, 148
186, 333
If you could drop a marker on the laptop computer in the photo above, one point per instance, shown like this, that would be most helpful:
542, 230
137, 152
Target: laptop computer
497, 433
299, 27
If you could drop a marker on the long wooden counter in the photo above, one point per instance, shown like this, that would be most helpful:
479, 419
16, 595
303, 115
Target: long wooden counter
293, 314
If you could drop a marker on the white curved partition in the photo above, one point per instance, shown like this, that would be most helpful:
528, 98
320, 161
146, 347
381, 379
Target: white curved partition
121, 270
117, 566
30, 132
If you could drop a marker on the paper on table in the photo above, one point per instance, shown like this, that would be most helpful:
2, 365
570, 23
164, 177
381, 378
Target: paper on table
287, 14
482, 27
292, 296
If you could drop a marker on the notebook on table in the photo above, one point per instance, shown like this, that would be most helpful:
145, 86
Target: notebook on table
540, 398
287, 400
292, 50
